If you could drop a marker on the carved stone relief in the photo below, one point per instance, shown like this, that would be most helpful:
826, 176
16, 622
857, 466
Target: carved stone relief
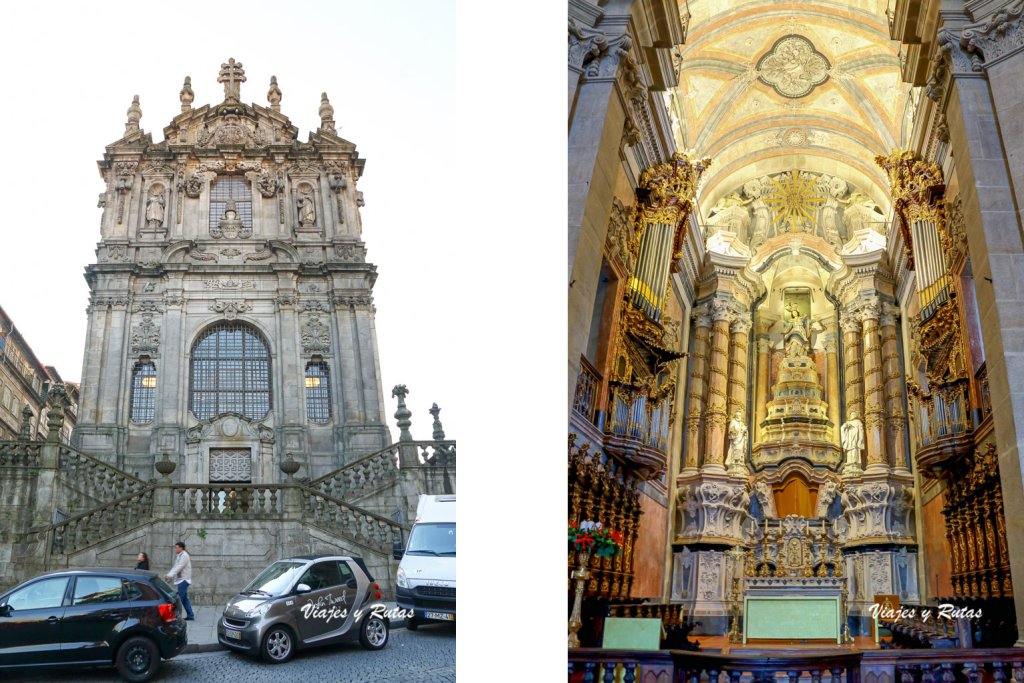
793, 67
316, 337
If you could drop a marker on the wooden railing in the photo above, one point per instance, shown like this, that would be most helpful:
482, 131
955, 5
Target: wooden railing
591, 664
588, 388
907, 666
217, 501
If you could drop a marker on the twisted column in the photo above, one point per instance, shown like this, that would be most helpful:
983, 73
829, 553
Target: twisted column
740, 329
715, 417
898, 453
850, 323
698, 370
874, 410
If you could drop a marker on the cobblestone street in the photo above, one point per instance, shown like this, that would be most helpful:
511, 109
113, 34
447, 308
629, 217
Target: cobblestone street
424, 656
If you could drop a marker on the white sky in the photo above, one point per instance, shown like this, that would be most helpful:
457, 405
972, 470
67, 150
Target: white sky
465, 207
390, 75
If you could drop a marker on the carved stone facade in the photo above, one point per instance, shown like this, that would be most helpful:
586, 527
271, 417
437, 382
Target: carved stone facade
231, 221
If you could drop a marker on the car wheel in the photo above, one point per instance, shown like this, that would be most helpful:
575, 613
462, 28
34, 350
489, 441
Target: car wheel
373, 634
278, 645
412, 623
138, 659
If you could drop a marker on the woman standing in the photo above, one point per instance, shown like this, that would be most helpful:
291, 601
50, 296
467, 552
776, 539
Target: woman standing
143, 561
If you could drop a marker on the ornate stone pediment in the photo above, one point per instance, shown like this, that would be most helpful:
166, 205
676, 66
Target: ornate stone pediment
232, 426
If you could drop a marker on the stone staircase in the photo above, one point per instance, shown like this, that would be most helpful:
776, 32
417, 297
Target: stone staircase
232, 530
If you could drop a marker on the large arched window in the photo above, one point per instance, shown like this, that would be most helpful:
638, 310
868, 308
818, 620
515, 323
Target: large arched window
230, 373
143, 400
318, 392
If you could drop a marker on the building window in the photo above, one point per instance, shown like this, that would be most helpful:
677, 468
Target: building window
236, 189
230, 373
143, 401
318, 392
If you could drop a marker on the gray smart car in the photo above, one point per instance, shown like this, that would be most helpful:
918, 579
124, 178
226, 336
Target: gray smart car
305, 601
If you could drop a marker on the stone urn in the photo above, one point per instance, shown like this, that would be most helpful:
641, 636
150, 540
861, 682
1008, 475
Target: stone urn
289, 466
166, 466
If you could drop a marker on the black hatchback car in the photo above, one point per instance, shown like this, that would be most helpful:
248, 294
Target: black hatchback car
127, 618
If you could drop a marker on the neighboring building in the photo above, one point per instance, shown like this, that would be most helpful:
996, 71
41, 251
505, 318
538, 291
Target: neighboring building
843, 249
24, 382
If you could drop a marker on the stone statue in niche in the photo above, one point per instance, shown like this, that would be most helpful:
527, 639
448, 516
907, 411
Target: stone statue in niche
851, 435
737, 454
155, 207
307, 211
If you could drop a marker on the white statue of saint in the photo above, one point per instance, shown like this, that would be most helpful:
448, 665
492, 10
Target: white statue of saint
155, 207
851, 435
737, 442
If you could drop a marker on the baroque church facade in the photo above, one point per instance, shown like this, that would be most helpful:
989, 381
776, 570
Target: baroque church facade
231, 317
794, 273
231, 390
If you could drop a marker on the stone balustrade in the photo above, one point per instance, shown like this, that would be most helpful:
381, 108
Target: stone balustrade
216, 501
20, 453
95, 477
360, 476
120, 515
351, 522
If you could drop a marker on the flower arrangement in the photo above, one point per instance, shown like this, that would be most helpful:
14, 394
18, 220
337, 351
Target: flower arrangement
593, 537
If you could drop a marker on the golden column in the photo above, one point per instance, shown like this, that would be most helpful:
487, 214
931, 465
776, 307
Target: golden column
740, 329
874, 409
850, 322
715, 417
763, 377
898, 453
832, 367
698, 370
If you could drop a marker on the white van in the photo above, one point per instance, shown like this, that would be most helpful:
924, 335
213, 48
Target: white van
426, 575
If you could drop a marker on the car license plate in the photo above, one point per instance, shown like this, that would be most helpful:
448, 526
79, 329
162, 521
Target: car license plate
443, 616
237, 635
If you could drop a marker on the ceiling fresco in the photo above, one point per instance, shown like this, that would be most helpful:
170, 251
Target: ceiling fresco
769, 87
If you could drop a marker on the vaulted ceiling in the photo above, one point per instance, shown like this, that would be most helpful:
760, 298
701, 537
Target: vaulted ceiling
768, 86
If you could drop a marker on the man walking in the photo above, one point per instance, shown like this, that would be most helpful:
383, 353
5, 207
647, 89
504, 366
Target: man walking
181, 574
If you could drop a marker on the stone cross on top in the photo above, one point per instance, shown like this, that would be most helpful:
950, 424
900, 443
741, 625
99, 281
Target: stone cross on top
232, 75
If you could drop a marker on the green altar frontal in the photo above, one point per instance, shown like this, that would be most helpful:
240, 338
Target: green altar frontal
791, 617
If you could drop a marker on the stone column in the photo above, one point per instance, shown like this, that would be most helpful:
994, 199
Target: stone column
896, 445
595, 132
764, 376
986, 147
697, 393
850, 323
874, 409
174, 354
714, 425
832, 368
740, 329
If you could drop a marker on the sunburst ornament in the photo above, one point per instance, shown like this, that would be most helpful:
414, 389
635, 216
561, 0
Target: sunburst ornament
794, 199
